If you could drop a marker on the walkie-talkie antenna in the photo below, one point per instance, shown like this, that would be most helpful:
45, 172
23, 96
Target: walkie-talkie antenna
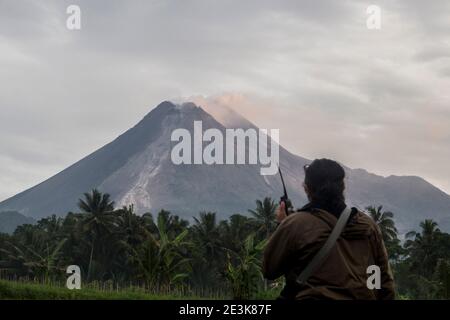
284, 198
282, 182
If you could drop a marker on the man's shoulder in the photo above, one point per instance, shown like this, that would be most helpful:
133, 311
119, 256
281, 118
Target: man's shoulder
306, 217
300, 219
364, 217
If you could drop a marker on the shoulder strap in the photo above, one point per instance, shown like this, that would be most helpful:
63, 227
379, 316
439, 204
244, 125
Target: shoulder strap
326, 248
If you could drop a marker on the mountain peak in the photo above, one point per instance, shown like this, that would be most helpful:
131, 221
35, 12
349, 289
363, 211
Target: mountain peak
160, 110
167, 107
166, 104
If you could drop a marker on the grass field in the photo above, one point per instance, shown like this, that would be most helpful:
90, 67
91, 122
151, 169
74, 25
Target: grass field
34, 291
30, 290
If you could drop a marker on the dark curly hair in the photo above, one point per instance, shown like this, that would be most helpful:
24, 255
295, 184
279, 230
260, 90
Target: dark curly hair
324, 179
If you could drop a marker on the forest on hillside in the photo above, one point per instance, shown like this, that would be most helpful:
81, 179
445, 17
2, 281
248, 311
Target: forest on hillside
164, 253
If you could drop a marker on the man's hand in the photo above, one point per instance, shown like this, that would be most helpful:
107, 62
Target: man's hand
281, 212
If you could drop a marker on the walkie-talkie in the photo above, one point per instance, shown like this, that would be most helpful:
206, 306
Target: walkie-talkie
284, 198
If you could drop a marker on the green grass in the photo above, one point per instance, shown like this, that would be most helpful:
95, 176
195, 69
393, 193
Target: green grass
270, 294
29, 290
32, 291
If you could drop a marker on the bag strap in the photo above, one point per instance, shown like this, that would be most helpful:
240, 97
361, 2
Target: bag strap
326, 248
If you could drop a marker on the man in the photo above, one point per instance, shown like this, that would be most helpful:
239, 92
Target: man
343, 273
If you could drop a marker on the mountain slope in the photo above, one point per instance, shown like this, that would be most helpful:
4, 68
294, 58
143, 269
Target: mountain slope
136, 168
10, 220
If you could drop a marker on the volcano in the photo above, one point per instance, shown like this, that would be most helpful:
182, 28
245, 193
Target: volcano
136, 168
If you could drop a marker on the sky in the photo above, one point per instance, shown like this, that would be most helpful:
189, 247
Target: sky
377, 99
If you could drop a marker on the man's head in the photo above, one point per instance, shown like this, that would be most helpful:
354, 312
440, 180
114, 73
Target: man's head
324, 182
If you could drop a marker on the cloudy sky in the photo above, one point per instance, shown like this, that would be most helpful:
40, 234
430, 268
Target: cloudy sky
376, 99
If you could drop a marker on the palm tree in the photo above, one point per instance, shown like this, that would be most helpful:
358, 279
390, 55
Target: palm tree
130, 227
39, 259
98, 220
235, 230
52, 226
96, 203
130, 231
422, 247
174, 224
207, 249
206, 233
159, 259
385, 221
264, 216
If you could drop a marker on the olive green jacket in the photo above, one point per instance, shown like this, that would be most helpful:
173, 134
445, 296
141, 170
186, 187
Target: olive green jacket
343, 274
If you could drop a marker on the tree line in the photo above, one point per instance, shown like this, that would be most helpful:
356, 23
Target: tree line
167, 252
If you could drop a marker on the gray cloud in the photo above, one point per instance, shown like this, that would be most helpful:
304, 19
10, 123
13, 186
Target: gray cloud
373, 99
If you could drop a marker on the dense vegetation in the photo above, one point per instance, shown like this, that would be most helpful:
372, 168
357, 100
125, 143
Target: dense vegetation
164, 254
